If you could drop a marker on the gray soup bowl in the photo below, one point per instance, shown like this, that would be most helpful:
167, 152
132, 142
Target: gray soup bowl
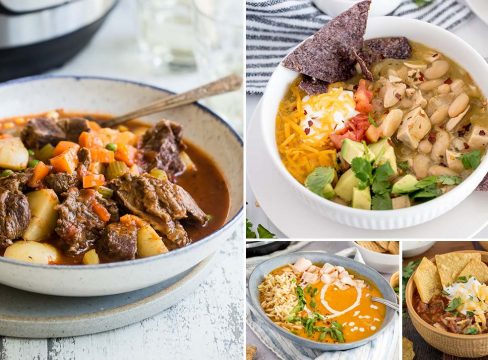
263, 269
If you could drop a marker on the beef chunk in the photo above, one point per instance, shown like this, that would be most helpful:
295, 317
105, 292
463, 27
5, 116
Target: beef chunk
84, 161
78, 225
161, 148
17, 181
61, 182
73, 127
118, 242
41, 131
14, 216
161, 203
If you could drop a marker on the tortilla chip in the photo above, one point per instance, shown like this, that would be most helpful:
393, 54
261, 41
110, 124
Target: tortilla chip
450, 265
393, 247
426, 279
250, 352
313, 86
383, 244
384, 48
371, 245
329, 54
407, 349
476, 268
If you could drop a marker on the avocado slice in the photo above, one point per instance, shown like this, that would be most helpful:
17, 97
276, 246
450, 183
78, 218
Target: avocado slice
400, 202
328, 192
345, 185
405, 185
352, 149
383, 153
361, 199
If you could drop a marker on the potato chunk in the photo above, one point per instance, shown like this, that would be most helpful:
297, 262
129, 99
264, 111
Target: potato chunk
149, 243
91, 258
33, 252
42, 204
13, 154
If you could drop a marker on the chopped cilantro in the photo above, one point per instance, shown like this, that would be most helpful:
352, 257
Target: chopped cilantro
426, 182
404, 165
381, 202
454, 304
381, 180
462, 279
449, 180
265, 233
471, 331
250, 234
363, 170
469, 313
372, 121
319, 178
313, 304
471, 160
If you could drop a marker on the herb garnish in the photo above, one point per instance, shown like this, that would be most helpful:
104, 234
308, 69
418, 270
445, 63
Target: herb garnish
363, 170
462, 279
372, 121
471, 160
471, 331
407, 272
262, 232
469, 313
454, 304
404, 165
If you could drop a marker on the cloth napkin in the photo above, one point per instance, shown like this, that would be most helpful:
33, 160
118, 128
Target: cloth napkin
383, 347
274, 27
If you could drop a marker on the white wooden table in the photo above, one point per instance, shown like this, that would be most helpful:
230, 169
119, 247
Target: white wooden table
209, 323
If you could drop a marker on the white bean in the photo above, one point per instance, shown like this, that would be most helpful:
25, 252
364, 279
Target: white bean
440, 115
438, 170
33, 252
457, 86
421, 164
391, 122
425, 146
440, 146
430, 84
458, 105
438, 69
444, 89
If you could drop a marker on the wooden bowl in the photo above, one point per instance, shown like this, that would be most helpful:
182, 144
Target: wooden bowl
469, 346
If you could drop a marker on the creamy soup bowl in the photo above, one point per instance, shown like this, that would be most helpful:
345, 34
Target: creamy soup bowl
415, 30
263, 269
201, 127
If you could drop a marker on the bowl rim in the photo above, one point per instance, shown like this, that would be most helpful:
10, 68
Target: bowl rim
278, 164
409, 291
229, 224
311, 343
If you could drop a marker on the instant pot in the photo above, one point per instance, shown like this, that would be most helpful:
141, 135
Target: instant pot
37, 35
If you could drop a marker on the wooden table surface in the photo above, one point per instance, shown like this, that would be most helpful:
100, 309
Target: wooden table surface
206, 325
421, 348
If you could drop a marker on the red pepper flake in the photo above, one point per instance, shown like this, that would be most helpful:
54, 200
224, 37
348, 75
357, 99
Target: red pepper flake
435, 55
304, 112
294, 108
398, 96
307, 131
466, 146
310, 123
448, 81
421, 78
482, 132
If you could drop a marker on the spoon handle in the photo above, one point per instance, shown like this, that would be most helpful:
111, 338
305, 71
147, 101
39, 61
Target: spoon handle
388, 303
223, 85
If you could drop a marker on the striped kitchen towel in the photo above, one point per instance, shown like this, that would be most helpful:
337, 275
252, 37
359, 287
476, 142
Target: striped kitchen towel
274, 27
383, 347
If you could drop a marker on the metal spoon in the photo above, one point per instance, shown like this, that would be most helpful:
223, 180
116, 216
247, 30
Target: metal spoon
388, 303
221, 86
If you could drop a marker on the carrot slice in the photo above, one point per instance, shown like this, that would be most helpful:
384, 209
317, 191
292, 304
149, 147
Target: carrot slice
90, 140
93, 180
94, 125
40, 172
126, 153
66, 162
63, 146
102, 155
101, 211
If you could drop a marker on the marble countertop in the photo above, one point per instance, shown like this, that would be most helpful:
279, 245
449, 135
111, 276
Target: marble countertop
203, 326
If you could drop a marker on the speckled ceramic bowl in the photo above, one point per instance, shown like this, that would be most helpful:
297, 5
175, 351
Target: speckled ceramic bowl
100, 95
263, 269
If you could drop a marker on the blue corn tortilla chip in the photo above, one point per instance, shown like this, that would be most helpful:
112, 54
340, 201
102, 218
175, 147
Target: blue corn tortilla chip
329, 54
313, 86
375, 50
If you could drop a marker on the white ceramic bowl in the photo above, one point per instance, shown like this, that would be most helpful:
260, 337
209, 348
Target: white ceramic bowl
377, 8
99, 95
414, 248
415, 30
385, 263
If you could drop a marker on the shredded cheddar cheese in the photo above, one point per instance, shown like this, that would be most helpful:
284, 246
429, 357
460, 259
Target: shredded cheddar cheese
303, 127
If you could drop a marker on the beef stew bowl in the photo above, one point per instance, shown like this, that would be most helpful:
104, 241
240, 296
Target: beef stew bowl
324, 177
460, 345
92, 211
321, 301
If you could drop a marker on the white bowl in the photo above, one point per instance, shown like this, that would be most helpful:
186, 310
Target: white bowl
415, 30
385, 263
377, 8
414, 248
99, 95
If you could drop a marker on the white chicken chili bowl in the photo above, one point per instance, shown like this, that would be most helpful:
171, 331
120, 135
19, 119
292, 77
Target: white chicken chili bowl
414, 30
110, 96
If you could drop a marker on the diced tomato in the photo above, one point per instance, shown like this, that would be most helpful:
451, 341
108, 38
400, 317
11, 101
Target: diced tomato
354, 129
363, 97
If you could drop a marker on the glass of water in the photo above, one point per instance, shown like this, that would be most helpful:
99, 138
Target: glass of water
218, 48
166, 33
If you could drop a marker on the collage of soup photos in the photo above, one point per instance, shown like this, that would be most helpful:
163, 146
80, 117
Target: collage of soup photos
243, 179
